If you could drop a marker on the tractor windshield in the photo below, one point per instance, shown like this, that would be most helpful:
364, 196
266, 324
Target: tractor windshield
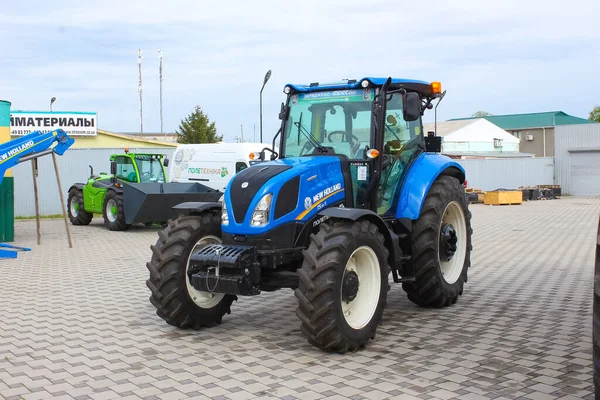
150, 169
340, 119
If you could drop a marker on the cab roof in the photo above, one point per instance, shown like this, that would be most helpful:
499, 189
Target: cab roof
409, 84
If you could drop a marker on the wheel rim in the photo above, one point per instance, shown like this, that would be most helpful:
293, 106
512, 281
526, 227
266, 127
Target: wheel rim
74, 207
361, 286
111, 210
200, 298
453, 242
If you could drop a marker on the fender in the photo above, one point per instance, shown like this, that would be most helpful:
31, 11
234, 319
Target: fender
354, 214
423, 172
79, 186
197, 207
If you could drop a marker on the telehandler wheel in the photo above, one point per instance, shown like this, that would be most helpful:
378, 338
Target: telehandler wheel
77, 213
441, 246
175, 299
114, 212
343, 285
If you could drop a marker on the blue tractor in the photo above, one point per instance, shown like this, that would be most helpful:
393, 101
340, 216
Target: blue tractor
357, 192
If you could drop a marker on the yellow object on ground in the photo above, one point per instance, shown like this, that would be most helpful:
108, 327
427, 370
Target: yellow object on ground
503, 197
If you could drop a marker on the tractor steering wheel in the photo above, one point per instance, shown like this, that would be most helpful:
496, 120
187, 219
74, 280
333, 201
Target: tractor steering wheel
305, 147
342, 133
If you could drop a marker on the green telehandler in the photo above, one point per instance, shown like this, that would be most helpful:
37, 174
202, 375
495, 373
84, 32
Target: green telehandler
135, 191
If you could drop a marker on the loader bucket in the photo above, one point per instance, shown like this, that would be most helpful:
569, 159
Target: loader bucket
154, 202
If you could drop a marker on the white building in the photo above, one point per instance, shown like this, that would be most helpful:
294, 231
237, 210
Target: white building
476, 138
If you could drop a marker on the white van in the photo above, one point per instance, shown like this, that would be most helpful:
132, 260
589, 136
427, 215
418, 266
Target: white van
212, 164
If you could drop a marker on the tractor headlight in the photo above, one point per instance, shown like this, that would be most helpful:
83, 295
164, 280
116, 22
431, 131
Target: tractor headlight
260, 216
224, 216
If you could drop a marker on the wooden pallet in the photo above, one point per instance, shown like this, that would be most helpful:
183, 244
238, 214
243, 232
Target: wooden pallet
503, 198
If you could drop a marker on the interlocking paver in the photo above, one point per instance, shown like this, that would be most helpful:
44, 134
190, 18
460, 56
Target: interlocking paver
77, 324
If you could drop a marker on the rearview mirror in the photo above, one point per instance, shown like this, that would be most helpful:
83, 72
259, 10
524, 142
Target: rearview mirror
166, 162
113, 168
412, 106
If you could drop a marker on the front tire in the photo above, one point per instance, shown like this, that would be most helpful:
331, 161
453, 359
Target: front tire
76, 209
596, 317
441, 246
343, 285
113, 212
175, 299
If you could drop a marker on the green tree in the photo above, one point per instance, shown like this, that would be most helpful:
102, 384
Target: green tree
480, 114
595, 114
196, 128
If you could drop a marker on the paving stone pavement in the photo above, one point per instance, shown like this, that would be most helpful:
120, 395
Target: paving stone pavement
77, 323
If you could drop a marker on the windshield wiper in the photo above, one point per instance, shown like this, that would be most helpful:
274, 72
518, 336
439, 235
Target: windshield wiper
306, 133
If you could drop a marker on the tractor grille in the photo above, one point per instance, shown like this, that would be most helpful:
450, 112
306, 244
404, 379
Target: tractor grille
255, 177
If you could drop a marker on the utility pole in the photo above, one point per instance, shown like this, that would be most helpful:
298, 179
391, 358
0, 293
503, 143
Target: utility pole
160, 74
140, 89
254, 138
242, 129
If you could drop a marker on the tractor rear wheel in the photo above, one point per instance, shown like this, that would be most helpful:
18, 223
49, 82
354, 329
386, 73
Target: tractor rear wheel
76, 209
114, 212
343, 285
441, 246
175, 299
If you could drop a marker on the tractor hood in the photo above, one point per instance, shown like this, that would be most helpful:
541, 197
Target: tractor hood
299, 188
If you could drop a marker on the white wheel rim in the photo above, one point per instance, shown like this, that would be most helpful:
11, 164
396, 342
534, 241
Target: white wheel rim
73, 206
112, 217
202, 299
454, 215
359, 312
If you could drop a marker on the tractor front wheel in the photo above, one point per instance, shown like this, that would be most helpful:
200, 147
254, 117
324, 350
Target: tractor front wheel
343, 285
441, 246
114, 212
77, 213
175, 299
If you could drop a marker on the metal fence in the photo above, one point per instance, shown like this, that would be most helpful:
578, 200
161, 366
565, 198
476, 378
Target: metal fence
73, 167
508, 173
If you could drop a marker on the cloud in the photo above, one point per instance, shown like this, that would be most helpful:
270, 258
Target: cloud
509, 56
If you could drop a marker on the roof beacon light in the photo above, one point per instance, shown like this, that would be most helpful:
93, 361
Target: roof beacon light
372, 153
436, 87
255, 155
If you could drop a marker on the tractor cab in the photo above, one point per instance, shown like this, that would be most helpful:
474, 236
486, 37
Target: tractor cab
139, 168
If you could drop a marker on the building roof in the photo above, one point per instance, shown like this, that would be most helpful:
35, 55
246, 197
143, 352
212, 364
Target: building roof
134, 139
532, 120
489, 154
471, 130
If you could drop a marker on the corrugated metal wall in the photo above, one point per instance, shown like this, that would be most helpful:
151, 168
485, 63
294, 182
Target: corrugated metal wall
73, 167
508, 173
578, 172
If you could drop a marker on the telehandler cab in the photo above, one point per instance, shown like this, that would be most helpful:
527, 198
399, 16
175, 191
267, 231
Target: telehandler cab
358, 191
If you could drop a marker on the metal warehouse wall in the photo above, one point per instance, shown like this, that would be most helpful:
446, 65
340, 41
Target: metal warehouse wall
585, 180
73, 167
508, 173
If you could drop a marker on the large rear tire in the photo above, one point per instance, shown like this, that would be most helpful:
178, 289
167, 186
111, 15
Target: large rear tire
76, 209
175, 299
441, 246
343, 285
114, 212
596, 317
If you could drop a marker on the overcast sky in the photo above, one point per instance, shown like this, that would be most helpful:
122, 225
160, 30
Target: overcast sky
498, 56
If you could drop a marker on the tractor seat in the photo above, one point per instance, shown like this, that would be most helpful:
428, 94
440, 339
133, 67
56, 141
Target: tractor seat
131, 177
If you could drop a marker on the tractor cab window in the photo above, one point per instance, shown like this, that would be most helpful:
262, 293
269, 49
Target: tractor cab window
150, 169
339, 119
401, 143
125, 169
